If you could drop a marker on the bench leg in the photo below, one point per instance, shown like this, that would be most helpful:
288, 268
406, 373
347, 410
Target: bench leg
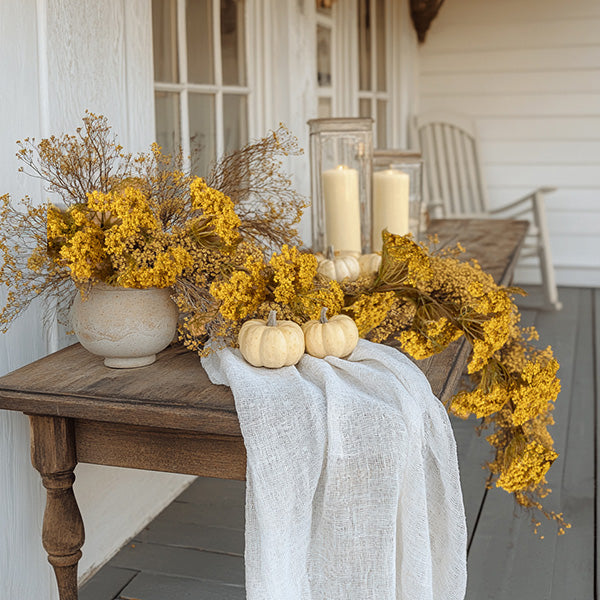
53, 455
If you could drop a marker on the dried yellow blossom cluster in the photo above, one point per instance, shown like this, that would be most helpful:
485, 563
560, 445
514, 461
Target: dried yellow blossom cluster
219, 207
118, 237
370, 310
144, 221
431, 337
242, 292
287, 283
527, 468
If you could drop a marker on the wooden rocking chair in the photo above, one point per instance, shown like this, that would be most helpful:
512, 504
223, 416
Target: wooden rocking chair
453, 186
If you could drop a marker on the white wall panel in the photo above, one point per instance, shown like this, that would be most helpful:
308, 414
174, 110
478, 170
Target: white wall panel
562, 127
100, 59
21, 496
541, 152
57, 58
565, 199
530, 60
578, 81
474, 12
528, 73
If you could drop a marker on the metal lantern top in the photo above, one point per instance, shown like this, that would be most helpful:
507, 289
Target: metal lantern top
341, 124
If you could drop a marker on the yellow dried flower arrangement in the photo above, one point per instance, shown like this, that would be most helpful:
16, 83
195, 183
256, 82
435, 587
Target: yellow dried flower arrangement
138, 221
228, 248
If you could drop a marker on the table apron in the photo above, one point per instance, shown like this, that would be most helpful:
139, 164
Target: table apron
168, 450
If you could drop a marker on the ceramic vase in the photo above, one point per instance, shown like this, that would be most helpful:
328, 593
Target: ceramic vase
126, 326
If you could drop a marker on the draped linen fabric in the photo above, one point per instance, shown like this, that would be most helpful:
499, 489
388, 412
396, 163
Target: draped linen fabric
353, 490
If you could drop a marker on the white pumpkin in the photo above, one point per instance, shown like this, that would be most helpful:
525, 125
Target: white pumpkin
369, 263
270, 343
339, 267
337, 336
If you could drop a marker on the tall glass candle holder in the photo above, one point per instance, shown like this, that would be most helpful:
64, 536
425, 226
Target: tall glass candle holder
341, 152
397, 194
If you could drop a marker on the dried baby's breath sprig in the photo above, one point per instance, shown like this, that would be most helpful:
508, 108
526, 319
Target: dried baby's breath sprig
265, 200
26, 269
72, 165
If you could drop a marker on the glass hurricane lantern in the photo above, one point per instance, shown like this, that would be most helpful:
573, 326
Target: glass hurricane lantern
341, 151
410, 163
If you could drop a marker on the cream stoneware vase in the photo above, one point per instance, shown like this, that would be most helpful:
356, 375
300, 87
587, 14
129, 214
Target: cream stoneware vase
127, 326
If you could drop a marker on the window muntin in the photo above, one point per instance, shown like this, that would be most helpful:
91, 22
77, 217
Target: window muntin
325, 67
201, 92
373, 68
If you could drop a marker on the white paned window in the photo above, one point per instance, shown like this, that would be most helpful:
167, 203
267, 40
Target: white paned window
373, 65
325, 62
200, 77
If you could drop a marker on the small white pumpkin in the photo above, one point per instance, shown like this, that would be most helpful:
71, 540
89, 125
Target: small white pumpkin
339, 267
271, 343
337, 336
320, 257
369, 263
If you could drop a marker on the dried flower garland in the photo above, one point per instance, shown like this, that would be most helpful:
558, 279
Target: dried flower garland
423, 300
228, 248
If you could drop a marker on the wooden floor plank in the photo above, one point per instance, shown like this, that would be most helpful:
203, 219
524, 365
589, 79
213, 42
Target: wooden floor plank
211, 489
184, 562
506, 561
150, 586
473, 452
209, 512
106, 584
573, 575
192, 535
596, 329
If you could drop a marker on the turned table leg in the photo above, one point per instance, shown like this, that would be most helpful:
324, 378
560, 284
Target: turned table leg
53, 455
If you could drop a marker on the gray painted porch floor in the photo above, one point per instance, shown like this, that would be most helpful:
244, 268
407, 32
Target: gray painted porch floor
194, 548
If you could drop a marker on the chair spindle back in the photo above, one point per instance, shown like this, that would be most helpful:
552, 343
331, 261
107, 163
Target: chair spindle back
451, 170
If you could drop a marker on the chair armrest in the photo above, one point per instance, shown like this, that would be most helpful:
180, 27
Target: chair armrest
523, 200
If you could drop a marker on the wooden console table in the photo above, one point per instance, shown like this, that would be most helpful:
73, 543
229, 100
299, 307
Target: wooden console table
168, 416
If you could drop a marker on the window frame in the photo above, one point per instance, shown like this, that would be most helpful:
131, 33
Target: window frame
373, 94
217, 90
329, 92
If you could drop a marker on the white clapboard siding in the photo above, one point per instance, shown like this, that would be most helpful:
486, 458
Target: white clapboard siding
519, 175
522, 34
511, 11
528, 74
57, 58
541, 152
494, 61
522, 105
562, 127
565, 199
579, 81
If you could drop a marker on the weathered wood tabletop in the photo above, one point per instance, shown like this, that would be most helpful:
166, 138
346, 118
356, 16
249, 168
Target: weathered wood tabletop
168, 416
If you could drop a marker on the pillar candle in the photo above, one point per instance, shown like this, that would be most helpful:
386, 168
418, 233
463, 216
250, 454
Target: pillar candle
390, 204
342, 208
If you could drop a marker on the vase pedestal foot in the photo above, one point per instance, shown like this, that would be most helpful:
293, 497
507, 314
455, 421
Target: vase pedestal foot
129, 363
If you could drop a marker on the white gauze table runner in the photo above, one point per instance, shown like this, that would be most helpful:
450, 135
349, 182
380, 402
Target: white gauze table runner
353, 490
